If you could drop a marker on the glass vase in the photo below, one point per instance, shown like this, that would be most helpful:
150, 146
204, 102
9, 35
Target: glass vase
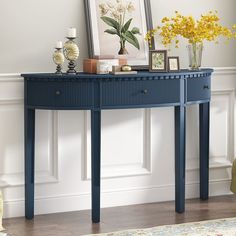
195, 55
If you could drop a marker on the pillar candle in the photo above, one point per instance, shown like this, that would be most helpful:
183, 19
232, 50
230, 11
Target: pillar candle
71, 33
59, 44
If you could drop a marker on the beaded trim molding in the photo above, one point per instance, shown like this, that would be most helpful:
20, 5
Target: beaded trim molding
140, 76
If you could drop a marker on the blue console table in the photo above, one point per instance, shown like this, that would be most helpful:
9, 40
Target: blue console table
99, 92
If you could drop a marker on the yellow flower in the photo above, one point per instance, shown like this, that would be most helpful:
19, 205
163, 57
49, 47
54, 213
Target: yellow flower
165, 19
196, 31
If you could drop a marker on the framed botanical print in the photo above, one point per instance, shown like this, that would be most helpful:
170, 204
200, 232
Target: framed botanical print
173, 64
158, 61
118, 28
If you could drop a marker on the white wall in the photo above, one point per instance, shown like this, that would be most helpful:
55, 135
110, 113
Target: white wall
138, 145
29, 29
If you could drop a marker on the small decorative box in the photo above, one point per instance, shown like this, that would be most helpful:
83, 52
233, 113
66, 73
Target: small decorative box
103, 67
90, 65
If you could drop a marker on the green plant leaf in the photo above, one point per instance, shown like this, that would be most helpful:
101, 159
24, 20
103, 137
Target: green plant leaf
135, 30
131, 38
126, 26
111, 31
111, 22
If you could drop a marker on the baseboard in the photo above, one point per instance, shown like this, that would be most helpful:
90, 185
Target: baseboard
122, 197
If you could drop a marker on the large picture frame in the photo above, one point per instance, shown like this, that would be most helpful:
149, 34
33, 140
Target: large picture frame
106, 37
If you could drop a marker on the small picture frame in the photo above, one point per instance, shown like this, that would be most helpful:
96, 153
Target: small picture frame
173, 64
158, 61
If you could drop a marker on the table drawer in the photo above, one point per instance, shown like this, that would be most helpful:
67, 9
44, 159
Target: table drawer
60, 94
139, 93
198, 89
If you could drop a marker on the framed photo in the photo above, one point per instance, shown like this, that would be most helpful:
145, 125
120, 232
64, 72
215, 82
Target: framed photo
118, 28
173, 64
158, 61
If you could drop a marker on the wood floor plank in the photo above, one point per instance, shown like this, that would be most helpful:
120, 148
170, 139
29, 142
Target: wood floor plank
121, 218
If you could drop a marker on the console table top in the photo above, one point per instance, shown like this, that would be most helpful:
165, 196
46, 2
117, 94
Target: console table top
141, 74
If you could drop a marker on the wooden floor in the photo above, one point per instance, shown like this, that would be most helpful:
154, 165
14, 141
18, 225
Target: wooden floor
121, 218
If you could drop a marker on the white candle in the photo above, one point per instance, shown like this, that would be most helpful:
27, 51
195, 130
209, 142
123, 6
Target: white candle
59, 44
71, 33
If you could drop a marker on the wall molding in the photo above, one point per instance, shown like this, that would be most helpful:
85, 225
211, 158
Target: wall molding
123, 170
15, 77
12, 101
230, 93
42, 177
215, 163
220, 162
11, 77
53, 174
224, 71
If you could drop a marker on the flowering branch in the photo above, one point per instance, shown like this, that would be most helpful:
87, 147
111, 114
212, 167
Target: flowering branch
196, 31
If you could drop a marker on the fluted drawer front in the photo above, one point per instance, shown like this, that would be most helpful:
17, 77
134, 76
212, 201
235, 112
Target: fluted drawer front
60, 94
198, 89
138, 93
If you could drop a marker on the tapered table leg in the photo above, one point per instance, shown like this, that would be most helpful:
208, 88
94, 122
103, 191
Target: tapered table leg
29, 162
96, 163
204, 115
180, 118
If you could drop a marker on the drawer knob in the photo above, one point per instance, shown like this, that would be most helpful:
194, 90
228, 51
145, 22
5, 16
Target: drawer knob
206, 87
58, 92
145, 91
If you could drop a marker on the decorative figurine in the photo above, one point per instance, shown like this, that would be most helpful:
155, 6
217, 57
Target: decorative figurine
126, 68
